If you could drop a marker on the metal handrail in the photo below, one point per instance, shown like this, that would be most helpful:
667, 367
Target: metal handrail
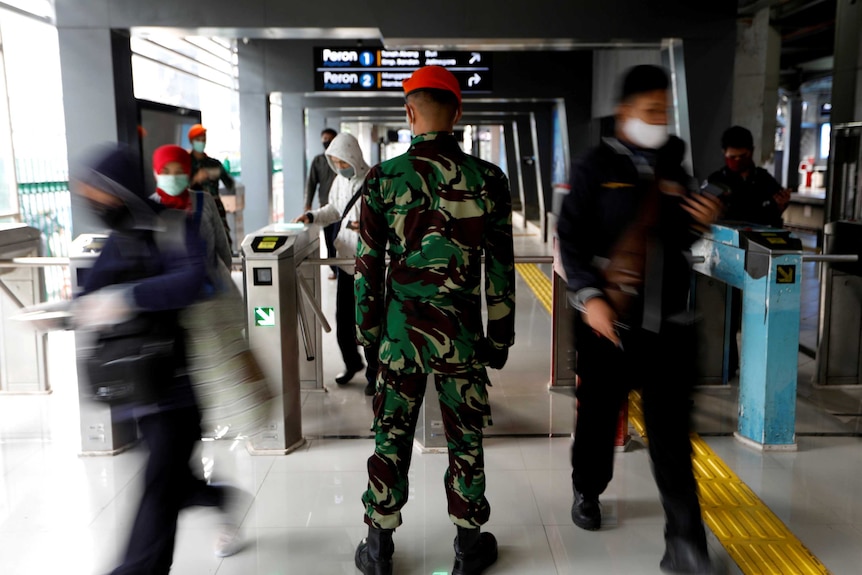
44, 261
831, 258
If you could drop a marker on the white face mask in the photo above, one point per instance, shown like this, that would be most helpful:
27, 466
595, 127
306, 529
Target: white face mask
172, 185
643, 135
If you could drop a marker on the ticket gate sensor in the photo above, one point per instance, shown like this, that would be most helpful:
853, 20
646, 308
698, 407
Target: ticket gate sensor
277, 293
765, 264
105, 429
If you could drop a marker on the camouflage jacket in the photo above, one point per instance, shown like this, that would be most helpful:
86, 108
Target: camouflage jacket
435, 211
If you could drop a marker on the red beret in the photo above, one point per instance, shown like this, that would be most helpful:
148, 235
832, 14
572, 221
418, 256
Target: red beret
197, 131
436, 77
170, 153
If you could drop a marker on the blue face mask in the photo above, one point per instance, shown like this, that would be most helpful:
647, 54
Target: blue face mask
198, 146
346, 172
172, 185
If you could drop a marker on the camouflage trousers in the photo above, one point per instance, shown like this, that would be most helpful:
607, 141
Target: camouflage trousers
464, 404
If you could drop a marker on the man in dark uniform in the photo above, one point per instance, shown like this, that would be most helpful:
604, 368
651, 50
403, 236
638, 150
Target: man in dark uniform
753, 194
624, 229
321, 176
435, 211
207, 172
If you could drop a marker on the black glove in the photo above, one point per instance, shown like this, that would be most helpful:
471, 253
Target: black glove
497, 357
491, 356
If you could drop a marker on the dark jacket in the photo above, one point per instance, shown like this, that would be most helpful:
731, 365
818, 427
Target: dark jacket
211, 185
165, 281
608, 186
749, 199
321, 175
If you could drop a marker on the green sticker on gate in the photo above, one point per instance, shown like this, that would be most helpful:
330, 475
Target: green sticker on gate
264, 316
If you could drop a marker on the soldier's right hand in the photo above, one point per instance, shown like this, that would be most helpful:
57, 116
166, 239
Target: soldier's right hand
303, 219
599, 315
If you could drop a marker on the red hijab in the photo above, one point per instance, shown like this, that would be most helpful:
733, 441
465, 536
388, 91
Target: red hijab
165, 155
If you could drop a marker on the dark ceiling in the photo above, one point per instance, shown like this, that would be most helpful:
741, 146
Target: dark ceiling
807, 30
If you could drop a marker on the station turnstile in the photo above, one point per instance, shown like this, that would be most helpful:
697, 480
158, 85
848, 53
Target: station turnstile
22, 349
282, 331
105, 429
839, 353
766, 265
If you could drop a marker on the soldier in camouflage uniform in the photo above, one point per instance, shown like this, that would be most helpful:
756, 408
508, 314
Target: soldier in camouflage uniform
435, 211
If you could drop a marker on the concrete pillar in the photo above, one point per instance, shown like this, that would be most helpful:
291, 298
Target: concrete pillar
792, 142
294, 149
847, 75
89, 100
315, 122
255, 137
755, 81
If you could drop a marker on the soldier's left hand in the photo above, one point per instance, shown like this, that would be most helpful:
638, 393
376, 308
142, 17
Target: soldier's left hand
704, 210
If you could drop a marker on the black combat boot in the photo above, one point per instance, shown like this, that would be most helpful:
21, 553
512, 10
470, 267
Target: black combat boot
474, 551
586, 512
374, 553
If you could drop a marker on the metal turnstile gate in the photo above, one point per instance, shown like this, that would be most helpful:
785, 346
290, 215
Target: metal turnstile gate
839, 353
22, 349
282, 331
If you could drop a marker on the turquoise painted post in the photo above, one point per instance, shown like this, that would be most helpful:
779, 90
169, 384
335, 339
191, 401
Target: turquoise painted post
768, 272
770, 346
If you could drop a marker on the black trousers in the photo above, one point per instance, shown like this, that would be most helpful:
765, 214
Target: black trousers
662, 365
169, 486
330, 232
345, 328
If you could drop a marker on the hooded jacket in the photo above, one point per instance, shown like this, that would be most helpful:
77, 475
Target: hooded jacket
344, 147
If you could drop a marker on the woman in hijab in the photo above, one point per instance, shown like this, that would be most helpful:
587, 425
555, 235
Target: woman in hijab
173, 166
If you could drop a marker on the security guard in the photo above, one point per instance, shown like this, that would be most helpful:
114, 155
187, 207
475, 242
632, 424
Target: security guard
435, 211
207, 172
623, 230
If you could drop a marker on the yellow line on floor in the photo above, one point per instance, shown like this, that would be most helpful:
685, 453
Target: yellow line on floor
538, 282
754, 537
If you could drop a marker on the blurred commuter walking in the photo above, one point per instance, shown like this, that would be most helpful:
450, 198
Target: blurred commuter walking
139, 280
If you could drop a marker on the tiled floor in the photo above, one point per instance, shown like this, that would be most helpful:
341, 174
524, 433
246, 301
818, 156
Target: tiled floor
60, 513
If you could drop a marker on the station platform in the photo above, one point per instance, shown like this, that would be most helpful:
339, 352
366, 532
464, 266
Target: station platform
61, 513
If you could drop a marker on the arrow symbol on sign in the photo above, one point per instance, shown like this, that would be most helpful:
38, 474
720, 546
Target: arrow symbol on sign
266, 316
475, 57
473, 80
785, 275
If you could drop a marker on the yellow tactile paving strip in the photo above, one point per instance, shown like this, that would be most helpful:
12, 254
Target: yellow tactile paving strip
754, 537
538, 282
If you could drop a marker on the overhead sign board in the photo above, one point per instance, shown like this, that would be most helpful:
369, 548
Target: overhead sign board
381, 70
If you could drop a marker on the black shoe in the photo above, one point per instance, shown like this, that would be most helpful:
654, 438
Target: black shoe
474, 551
374, 553
684, 556
587, 512
346, 375
370, 388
